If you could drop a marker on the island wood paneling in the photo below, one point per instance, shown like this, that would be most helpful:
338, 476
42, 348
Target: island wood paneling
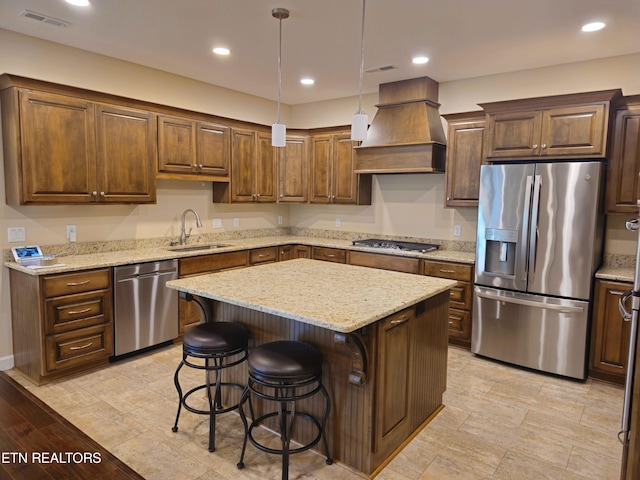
351, 424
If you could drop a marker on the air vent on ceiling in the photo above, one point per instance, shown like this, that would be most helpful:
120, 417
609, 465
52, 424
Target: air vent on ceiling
382, 68
44, 18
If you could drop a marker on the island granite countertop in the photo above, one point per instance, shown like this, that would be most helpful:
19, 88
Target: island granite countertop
339, 297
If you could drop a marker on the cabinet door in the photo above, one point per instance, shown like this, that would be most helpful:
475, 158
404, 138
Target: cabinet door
513, 134
58, 148
393, 373
292, 170
610, 333
265, 174
577, 131
344, 180
176, 145
213, 148
624, 165
126, 155
301, 251
243, 160
321, 169
464, 158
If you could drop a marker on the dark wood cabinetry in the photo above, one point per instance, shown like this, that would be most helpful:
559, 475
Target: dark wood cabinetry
293, 170
623, 182
192, 149
385, 262
461, 298
609, 333
253, 169
327, 254
332, 162
464, 158
562, 126
62, 149
263, 255
62, 324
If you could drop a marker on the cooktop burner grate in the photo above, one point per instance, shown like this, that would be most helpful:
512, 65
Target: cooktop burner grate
396, 245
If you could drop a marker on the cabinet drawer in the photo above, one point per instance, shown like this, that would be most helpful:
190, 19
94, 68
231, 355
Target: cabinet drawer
385, 262
460, 296
79, 347
459, 323
212, 263
330, 254
263, 255
78, 282
453, 271
77, 311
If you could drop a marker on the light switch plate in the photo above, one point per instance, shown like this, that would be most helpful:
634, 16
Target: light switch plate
280, 219
217, 223
16, 234
337, 222
457, 230
236, 222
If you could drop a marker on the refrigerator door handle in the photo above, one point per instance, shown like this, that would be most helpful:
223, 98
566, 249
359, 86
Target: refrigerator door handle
535, 209
530, 303
633, 317
525, 229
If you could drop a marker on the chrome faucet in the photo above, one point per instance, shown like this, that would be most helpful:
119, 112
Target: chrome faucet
183, 234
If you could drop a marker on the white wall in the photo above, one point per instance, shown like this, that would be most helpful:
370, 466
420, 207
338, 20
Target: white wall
410, 205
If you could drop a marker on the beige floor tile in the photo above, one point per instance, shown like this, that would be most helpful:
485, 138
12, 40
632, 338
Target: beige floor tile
442, 468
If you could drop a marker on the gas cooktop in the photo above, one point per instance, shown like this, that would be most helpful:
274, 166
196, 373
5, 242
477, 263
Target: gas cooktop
393, 244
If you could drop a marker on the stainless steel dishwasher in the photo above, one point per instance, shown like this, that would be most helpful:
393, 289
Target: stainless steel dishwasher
146, 311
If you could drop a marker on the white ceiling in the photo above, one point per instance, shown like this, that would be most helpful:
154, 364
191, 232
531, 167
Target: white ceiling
321, 38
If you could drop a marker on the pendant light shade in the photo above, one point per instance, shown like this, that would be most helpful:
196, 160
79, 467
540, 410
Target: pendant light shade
279, 130
360, 120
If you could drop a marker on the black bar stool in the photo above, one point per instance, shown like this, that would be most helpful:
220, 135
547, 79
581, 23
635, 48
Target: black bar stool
284, 372
221, 345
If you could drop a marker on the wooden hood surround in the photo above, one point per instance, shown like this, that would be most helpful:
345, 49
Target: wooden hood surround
406, 134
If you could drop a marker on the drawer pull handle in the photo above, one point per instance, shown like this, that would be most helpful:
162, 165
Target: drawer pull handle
450, 322
262, 255
330, 255
75, 284
77, 312
447, 271
400, 320
82, 347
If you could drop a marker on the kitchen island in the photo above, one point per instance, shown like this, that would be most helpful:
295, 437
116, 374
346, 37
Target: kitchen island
383, 335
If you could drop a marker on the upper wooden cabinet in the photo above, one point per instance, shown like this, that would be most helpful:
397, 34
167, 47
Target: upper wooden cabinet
561, 126
293, 168
332, 177
623, 186
464, 158
62, 149
253, 169
192, 150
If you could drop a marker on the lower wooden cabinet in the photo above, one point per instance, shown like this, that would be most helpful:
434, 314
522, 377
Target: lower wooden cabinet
62, 324
263, 255
461, 298
327, 254
609, 333
385, 262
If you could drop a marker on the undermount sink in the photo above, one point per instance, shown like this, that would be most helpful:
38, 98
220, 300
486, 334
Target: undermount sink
195, 248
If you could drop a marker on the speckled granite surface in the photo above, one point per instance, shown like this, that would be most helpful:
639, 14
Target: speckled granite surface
339, 297
618, 268
95, 256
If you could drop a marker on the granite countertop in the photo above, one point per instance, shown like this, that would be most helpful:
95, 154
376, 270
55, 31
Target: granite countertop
72, 263
338, 297
616, 274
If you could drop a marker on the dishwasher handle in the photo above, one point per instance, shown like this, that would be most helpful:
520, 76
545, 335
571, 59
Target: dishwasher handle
155, 273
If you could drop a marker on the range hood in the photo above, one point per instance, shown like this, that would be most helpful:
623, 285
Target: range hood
406, 134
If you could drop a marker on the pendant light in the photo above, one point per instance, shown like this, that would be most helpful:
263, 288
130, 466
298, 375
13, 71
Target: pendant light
279, 130
360, 120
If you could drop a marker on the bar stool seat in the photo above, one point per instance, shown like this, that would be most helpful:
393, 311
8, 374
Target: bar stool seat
222, 345
285, 372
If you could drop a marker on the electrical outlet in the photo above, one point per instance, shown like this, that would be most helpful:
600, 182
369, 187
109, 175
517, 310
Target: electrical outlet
457, 230
280, 219
217, 223
16, 234
236, 222
337, 222
71, 233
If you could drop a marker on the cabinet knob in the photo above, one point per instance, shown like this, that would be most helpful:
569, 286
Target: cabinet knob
544, 145
102, 194
200, 166
94, 193
535, 145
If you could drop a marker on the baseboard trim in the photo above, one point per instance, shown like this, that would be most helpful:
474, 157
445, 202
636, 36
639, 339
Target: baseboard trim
6, 363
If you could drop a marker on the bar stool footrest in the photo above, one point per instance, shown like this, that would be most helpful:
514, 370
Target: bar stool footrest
258, 421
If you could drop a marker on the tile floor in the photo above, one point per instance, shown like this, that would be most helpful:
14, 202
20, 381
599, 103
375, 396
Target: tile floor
499, 422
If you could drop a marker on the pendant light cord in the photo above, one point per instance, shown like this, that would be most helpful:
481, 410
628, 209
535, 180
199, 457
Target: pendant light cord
361, 59
279, 69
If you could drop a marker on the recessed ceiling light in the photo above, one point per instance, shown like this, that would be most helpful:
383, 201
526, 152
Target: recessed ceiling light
221, 51
593, 27
78, 3
419, 60
307, 81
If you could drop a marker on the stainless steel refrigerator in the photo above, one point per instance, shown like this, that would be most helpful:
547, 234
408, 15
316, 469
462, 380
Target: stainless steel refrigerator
539, 242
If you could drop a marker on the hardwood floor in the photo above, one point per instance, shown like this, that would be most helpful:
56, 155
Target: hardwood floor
37, 443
